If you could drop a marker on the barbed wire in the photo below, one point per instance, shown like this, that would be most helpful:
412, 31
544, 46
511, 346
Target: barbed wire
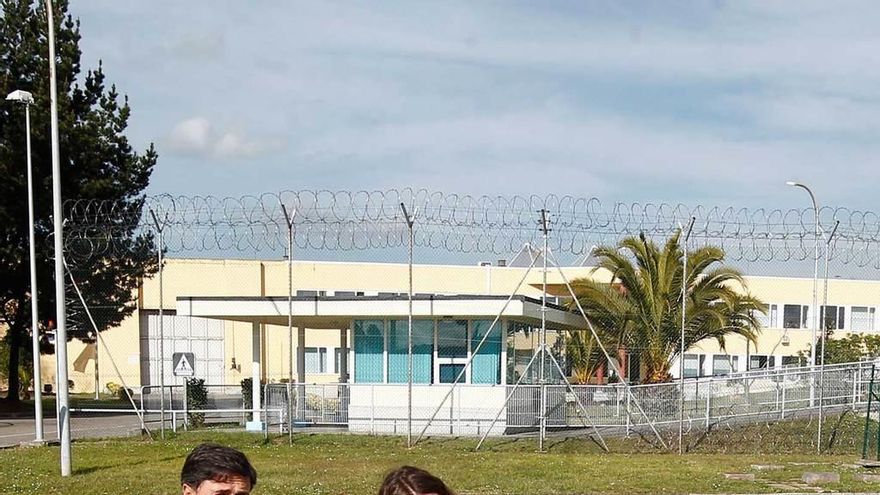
363, 220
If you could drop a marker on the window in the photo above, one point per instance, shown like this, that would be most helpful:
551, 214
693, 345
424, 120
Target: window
862, 319
338, 356
422, 351
521, 341
760, 362
486, 365
452, 350
722, 364
316, 359
369, 345
832, 317
792, 361
795, 316
452, 339
449, 372
770, 319
693, 365
311, 293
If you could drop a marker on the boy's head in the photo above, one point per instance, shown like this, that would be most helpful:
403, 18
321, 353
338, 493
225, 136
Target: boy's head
212, 469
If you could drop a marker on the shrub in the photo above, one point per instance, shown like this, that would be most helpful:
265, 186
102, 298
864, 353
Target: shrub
196, 399
246, 395
118, 391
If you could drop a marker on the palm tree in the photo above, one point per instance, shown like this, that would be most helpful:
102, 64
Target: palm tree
639, 310
583, 353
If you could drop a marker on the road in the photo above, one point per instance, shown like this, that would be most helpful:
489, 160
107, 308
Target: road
15, 431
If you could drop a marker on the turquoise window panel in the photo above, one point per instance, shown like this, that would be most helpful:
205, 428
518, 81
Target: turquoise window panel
369, 347
486, 365
423, 351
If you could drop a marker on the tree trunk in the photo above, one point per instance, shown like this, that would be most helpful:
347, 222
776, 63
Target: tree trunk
15, 332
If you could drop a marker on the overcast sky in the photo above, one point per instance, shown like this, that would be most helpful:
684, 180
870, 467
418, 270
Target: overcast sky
696, 102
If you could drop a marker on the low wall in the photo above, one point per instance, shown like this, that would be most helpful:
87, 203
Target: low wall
469, 411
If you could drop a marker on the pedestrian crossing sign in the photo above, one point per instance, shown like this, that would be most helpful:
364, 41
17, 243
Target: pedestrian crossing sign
184, 364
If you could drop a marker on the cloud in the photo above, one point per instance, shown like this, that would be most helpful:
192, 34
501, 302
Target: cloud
691, 101
197, 136
816, 114
191, 136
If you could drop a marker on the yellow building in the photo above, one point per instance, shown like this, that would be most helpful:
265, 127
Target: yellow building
223, 342
223, 348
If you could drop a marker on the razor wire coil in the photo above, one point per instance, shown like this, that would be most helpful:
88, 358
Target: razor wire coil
364, 220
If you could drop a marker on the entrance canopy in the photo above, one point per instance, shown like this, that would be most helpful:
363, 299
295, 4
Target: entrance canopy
334, 312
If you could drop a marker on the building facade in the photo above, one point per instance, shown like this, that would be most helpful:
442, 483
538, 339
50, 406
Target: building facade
364, 341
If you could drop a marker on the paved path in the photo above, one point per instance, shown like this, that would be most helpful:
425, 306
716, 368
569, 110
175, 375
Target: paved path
16, 431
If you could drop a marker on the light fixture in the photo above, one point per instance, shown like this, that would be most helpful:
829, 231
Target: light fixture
20, 96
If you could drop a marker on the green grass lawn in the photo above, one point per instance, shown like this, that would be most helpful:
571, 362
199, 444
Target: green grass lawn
333, 464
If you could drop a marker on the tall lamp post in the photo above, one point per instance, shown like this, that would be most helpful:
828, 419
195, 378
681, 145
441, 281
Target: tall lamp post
815, 284
25, 98
63, 396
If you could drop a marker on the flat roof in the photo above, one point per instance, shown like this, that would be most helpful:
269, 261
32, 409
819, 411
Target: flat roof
337, 311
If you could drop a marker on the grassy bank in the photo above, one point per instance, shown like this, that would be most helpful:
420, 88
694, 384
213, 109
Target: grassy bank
331, 464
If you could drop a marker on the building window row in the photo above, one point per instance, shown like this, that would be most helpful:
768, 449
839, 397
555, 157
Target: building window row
797, 316
317, 360
702, 365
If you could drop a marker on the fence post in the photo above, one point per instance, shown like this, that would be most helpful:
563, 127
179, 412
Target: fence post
166, 401
324, 412
617, 397
372, 409
628, 414
868, 414
266, 408
289, 411
856, 376
782, 408
185, 404
776, 404
708, 402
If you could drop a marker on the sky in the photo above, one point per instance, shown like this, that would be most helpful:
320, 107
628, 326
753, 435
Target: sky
713, 102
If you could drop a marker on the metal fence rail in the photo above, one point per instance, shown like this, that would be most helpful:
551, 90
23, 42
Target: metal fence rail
375, 408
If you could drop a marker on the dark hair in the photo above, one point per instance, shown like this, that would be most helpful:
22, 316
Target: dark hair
210, 461
408, 480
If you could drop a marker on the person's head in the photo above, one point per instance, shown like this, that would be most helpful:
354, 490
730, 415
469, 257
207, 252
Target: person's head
212, 469
408, 480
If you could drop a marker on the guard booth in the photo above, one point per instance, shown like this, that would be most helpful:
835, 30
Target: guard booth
446, 333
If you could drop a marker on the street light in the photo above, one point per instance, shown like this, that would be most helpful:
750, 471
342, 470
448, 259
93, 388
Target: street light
815, 282
62, 397
25, 98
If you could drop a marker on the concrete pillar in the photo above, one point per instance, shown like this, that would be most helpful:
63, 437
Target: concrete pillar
301, 373
344, 396
300, 355
343, 355
256, 424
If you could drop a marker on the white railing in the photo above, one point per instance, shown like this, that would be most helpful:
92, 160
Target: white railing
382, 408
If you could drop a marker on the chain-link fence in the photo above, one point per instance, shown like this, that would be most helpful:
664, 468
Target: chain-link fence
417, 313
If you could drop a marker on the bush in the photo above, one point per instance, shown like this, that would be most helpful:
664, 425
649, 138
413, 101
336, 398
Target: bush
119, 391
246, 395
196, 399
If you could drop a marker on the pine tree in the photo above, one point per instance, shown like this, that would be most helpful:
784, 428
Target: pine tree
97, 162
